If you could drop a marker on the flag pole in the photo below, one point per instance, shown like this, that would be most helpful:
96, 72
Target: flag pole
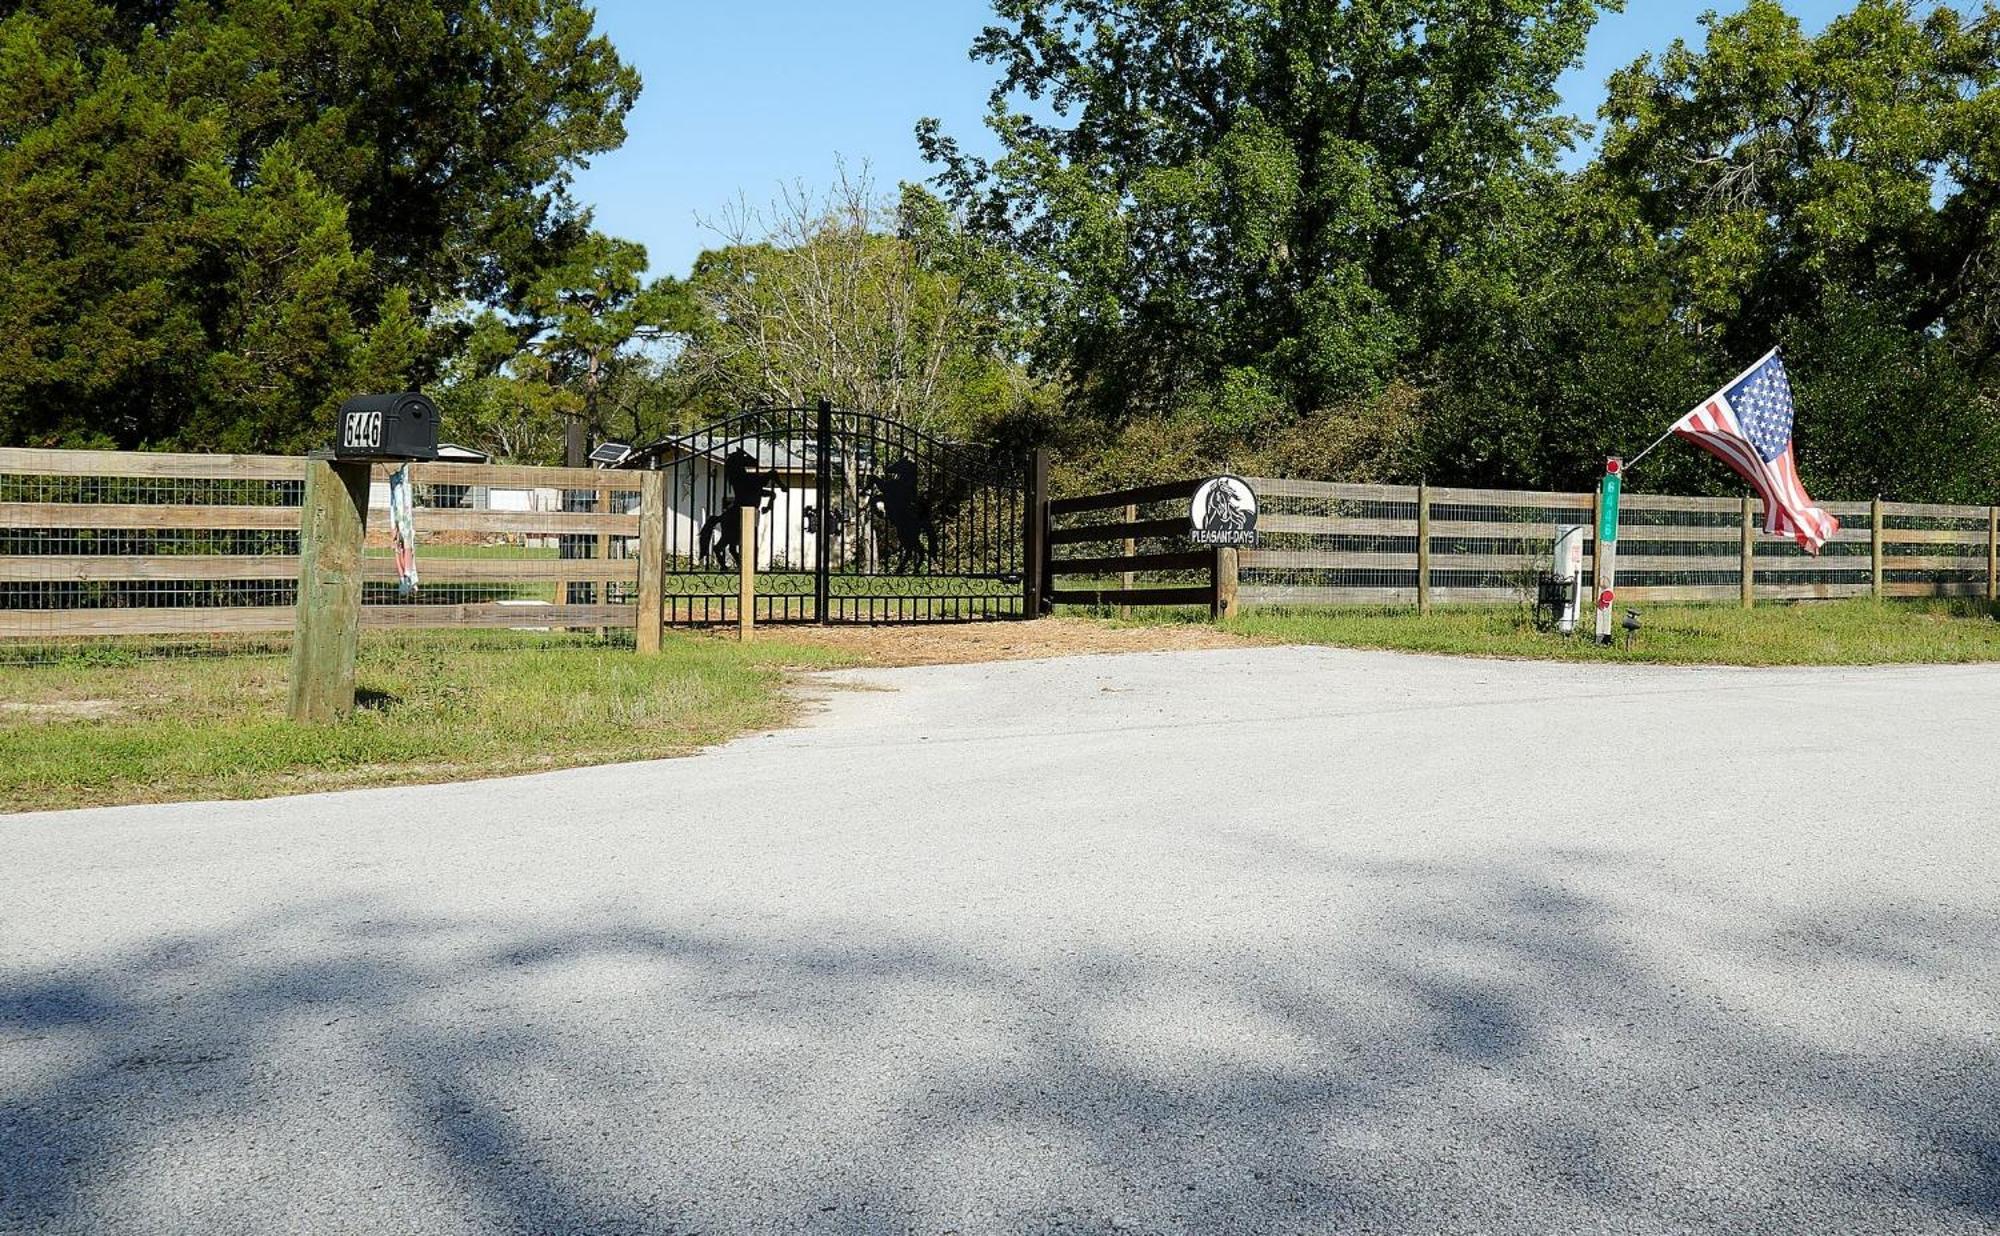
1633, 462
1606, 572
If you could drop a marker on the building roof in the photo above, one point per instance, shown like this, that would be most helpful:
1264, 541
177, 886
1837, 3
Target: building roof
452, 452
772, 456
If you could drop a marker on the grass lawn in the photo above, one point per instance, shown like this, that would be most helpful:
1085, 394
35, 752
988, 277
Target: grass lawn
110, 726
114, 728
1812, 633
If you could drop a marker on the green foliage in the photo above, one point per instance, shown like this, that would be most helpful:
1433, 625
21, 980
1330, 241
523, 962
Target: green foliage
1836, 195
1332, 237
891, 308
1328, 237
1261, 208
224, 217
582, 356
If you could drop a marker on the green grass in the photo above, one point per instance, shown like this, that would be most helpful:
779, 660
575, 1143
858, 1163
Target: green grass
436, 706
113, 723
1814, 633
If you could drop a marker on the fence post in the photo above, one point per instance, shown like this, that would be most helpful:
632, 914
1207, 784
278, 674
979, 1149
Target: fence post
1423, 547
746, 573
1596, 544
1222, 578
333, 524
652, 561
1035, 537
603, 589
1126, 579
1749, 559
823, 543
1875, 547
1993, 553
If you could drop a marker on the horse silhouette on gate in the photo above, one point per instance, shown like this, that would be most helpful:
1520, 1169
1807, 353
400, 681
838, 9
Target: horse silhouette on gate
871, 508
722, 532
894, 497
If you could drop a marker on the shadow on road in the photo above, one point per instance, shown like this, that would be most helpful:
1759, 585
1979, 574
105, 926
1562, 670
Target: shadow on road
1489, 1049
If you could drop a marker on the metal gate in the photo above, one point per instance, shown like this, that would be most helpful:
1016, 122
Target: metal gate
860, 518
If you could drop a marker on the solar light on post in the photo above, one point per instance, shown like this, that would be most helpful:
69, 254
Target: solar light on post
610, 454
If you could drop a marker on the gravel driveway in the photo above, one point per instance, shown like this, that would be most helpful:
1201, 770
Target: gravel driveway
1262, 940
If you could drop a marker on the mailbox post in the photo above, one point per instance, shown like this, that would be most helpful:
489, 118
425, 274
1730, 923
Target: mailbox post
327, 632
333, 525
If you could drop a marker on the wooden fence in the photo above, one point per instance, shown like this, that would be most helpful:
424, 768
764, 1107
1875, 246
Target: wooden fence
1328, 543
112, 543
119, 543
1193, 576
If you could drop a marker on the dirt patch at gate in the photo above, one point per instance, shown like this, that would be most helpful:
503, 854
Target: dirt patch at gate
961, 643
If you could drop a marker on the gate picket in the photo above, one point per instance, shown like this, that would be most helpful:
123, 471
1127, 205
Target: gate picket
862, 519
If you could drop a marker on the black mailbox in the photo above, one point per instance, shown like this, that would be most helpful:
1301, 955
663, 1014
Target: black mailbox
387, 427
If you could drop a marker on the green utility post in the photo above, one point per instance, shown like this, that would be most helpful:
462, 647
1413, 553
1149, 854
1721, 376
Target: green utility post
327, 634
1607, 544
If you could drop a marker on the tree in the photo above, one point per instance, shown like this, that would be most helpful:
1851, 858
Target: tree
1261, 209
571, 366
1836, 195
889, 309
223, 217
582, 313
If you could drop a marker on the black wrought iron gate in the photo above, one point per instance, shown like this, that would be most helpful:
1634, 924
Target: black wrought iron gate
860, 518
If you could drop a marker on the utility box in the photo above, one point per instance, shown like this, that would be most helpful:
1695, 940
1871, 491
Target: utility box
1568, 558
1567, 567
401, 426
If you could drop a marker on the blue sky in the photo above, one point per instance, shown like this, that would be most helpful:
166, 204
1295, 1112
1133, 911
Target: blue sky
744, 96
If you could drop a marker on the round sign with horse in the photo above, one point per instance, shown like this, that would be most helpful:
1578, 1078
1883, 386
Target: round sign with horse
1224, 512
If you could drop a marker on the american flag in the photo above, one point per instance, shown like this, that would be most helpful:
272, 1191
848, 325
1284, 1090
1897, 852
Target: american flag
1748, 425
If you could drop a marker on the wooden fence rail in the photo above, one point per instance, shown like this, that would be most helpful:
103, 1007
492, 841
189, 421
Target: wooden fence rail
1194, 576
1336, 543
103, 542
119, 543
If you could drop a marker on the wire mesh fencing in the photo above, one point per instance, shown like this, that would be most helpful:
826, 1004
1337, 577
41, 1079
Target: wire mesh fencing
135, 554
1491, 545
508, 547
157, 555
1323, 543
1937, 550
98, 547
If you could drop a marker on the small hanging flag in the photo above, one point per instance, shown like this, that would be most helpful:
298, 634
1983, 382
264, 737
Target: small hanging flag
403, 531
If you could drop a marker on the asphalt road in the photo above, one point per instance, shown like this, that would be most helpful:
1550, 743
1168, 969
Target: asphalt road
1274, 940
